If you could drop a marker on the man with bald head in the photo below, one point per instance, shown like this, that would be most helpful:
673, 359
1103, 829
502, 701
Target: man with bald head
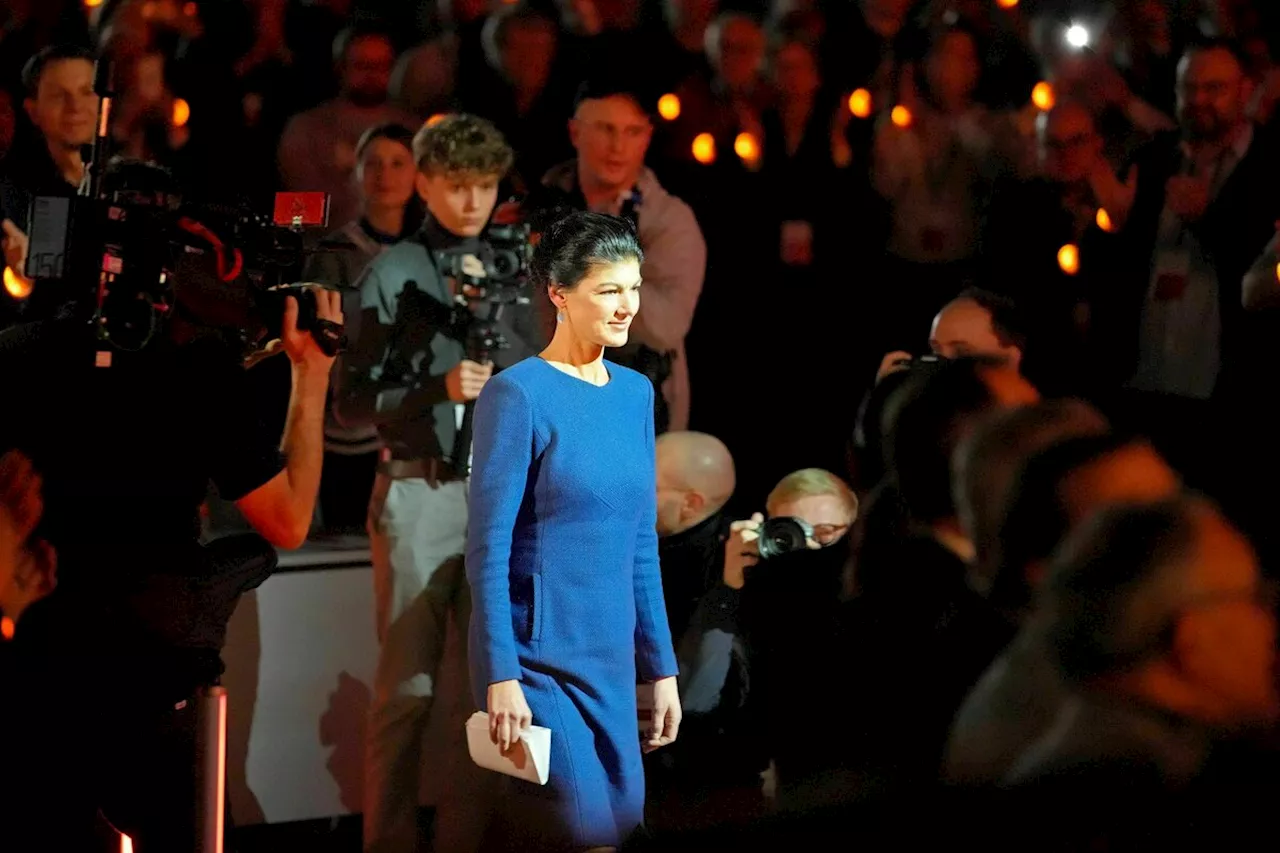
695, 480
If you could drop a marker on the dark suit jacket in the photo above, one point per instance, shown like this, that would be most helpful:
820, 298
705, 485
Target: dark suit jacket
1237, 225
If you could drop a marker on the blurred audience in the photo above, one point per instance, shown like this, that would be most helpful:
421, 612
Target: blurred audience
1158, 619
912, 610
318, 147
1053, 491
521, 97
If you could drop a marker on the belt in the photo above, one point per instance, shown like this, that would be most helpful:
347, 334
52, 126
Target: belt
434, 471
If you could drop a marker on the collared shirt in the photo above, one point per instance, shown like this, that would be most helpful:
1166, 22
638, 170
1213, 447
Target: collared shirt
1180, 338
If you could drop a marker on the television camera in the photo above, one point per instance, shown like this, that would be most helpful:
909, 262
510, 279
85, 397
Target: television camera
116, 248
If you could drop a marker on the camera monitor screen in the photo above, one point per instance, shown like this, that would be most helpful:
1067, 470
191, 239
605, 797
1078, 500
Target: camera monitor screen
50, 223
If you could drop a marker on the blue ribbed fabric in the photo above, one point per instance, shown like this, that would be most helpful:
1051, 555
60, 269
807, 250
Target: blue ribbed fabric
562, 557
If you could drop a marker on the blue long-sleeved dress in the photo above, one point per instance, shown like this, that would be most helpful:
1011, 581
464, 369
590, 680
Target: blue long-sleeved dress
562, 558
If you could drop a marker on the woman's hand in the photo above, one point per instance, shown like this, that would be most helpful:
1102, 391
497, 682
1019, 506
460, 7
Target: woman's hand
509, 713
666, 714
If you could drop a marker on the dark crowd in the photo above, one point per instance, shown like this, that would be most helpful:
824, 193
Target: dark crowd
979, 295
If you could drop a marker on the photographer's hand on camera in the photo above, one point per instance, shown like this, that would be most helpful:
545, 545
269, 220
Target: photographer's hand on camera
300, 345
892, 363
741, 551
466, 380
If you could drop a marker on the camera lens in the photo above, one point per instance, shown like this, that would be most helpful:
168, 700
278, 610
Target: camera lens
780, 536
505, 264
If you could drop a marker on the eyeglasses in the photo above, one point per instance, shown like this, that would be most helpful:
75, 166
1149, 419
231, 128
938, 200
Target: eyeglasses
825, 534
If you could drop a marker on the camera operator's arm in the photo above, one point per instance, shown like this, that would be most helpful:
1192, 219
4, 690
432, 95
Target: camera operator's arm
281, 509
675, 261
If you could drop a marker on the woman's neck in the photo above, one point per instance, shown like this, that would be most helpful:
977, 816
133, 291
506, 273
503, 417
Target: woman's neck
584, 359
388, 221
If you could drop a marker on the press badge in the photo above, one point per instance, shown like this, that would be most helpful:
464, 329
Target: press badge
1173, 273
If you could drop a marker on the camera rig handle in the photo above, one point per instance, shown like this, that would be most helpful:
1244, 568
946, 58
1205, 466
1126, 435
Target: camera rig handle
483, 339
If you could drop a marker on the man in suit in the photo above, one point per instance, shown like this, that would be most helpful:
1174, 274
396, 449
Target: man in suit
1205, 202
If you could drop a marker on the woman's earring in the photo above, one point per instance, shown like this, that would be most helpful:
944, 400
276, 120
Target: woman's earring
559, 316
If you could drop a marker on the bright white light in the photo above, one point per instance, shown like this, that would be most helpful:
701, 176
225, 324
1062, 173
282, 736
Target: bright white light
1078, 36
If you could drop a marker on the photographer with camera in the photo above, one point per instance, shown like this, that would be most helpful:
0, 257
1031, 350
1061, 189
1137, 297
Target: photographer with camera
410, 373
128, 410
788, 563
749, 649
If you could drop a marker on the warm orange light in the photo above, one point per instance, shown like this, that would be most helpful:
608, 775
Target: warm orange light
704, 148
901, 116
746, 147
181, 112
1069, 259
435, 119
92, 4
1104, 220
669, 107
1277, 272
1006, 4
126, 844
7, 628
15, 285
190, 9
860, 103
1043, 96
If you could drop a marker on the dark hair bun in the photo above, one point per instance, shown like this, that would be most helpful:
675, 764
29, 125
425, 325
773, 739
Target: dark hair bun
573, 244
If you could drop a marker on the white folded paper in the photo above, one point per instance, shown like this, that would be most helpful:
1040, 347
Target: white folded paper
531, 760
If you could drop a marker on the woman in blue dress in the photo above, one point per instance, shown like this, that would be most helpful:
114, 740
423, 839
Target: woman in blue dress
562, 551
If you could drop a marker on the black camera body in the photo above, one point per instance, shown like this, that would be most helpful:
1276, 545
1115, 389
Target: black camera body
118, 256
784, 535
115, 245
506, 259
480, 301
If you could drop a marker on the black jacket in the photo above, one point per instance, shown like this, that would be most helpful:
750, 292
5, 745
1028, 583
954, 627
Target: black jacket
1237, 225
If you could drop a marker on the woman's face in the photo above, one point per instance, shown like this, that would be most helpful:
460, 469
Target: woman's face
600, 309
387, 174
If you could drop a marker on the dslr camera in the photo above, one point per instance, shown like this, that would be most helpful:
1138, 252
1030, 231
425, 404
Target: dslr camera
783, 535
